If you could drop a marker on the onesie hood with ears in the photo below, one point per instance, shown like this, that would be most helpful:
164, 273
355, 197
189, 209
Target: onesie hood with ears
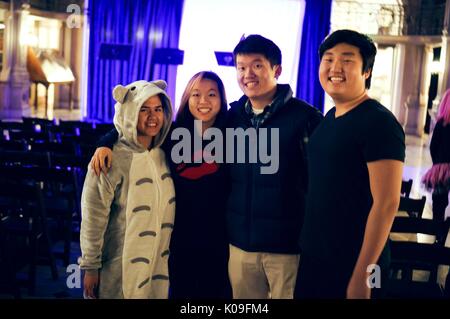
129, 100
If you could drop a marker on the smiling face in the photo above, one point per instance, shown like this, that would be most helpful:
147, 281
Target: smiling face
151, 117
204, 101
340, 73
257, 78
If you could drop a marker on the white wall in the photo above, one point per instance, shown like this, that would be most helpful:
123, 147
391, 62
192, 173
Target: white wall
217, 25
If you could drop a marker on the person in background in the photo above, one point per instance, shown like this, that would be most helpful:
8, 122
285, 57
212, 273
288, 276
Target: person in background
437, 178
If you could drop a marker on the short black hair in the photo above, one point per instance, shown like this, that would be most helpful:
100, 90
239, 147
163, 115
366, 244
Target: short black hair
256, 43
366, 47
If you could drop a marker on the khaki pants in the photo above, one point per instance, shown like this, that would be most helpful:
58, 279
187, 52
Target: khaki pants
256, 275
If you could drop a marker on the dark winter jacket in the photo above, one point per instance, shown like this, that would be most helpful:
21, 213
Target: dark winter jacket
265, 211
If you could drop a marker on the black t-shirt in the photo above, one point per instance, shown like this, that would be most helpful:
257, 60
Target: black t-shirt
339, 197
440, 143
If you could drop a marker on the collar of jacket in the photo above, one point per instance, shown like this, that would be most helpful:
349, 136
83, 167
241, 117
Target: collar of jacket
283, 94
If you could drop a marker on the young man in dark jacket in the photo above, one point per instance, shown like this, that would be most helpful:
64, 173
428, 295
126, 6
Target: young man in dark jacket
265, 208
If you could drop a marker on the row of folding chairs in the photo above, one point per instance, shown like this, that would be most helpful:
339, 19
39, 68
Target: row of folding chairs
24, 236
38, 207
46, 159
68, 167
66, 147
41, 130
61, 195
69, 126
415, 265
415, 262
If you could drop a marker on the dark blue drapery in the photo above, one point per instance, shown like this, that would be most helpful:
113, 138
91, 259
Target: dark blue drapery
316, 26
145, 24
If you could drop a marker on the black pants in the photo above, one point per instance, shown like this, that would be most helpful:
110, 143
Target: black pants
440, 203
321, 280
198, 277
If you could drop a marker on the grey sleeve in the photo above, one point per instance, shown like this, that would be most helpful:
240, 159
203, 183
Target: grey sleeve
96, 199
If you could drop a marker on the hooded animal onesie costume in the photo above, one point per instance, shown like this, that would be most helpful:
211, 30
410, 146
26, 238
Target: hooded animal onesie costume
128, 214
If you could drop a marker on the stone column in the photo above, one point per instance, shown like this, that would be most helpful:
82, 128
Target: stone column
413, 89
62, 91
14, 78
444, 76
445, 51
77, 63
399, 99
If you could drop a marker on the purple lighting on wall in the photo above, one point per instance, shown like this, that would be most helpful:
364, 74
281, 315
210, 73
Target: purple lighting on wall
134, 23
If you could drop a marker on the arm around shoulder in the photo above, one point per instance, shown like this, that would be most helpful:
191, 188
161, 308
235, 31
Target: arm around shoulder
109, 139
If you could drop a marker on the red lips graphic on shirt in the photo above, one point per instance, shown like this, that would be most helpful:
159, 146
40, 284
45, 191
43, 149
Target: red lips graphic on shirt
197, 172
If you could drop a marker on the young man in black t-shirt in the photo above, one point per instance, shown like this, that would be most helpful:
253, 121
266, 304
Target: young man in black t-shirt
355, 164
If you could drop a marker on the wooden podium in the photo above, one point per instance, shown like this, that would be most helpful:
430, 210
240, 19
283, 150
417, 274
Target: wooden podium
47, 67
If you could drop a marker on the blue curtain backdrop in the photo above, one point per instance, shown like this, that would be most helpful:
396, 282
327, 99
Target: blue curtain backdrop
144, 24
316, 26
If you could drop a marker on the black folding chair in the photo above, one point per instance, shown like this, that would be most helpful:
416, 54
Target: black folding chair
12, 126
419, 256
103, 128
33, 123
24, 227
406, 188
414, 207
60, 188
53, 147
79, 124
24, 158
8, 282
408, 256
6, 145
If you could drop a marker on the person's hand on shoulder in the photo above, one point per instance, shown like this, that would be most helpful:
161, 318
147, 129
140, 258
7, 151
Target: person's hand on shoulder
101, 160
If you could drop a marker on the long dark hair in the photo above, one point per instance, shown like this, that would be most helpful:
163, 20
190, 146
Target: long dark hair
444, 109
184, 117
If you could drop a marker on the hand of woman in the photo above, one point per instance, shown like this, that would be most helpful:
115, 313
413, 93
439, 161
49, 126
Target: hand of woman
101, 160
91, 282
